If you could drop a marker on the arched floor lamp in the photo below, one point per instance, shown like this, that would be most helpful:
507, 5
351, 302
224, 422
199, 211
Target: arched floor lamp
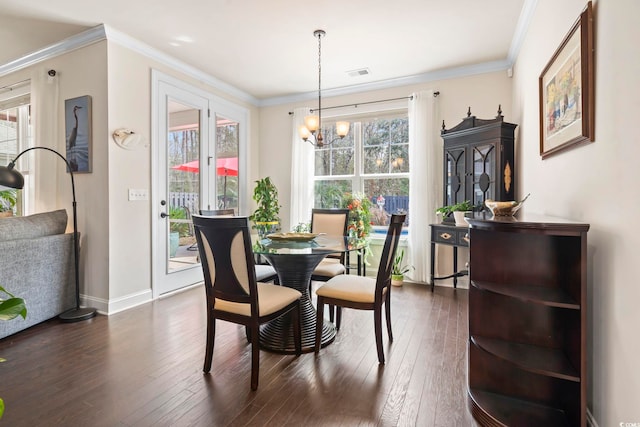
9, 177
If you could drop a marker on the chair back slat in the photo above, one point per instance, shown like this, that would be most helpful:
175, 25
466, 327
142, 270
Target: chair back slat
228, 264
383, 279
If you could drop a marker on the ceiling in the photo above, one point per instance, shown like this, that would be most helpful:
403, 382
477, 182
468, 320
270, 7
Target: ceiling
267, 48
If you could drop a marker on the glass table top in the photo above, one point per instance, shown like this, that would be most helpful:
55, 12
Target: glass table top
320, 245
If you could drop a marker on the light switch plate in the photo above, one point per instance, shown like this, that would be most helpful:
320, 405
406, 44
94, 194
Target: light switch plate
138, 194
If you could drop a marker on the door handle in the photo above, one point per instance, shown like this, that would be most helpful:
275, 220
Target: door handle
163, 215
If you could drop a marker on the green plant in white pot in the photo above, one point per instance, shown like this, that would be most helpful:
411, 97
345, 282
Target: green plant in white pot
399, 269
266, 217
10, 308
458, 211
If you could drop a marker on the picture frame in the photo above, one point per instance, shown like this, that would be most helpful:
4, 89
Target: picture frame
566, 86
77, 120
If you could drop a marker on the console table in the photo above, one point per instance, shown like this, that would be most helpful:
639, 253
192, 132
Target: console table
451, 235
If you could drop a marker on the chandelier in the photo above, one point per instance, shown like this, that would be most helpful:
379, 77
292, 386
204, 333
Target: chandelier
311, 131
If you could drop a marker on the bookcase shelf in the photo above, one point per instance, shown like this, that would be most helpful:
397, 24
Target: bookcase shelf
527, 321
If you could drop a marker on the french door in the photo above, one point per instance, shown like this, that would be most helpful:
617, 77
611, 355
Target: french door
197, 165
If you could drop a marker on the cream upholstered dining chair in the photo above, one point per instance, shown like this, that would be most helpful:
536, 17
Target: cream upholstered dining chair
264, 272
233, 293
332, 222
364, 293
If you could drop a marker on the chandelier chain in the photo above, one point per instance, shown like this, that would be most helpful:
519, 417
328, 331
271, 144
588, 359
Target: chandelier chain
320, 34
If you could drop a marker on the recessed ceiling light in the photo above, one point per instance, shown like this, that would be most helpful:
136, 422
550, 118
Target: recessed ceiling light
359, 72
184, 39
176, 44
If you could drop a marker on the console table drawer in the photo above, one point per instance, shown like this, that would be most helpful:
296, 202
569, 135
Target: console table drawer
450, 235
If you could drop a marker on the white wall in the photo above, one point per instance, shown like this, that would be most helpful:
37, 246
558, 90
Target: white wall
594, 183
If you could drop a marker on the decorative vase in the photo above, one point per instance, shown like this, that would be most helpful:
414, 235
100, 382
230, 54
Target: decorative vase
397, 279
265, 228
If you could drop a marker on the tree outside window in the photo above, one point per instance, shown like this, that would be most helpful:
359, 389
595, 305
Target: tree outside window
373, 159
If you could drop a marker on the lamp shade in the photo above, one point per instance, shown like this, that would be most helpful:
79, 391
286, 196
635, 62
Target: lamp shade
9, 177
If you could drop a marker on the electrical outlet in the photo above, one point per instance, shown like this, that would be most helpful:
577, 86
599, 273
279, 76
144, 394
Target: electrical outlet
138, 194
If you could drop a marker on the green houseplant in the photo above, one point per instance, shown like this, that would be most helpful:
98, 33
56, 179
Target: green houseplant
8, 199
266, 217
461, 207
10, 308
399, 269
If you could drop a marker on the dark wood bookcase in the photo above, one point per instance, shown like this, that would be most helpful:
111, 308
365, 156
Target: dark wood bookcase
527, 321
478, 160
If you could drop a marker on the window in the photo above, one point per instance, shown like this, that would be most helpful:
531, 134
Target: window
373, 159
15, 135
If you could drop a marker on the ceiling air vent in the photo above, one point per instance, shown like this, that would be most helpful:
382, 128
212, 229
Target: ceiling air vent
358, 73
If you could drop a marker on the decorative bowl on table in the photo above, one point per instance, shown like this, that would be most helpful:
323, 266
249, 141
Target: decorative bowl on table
508, 208
293, 237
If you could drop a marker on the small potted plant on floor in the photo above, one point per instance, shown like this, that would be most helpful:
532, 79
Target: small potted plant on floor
266, 217
458, 210
399, 269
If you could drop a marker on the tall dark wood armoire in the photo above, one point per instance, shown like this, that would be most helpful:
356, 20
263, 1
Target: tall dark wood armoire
478, 160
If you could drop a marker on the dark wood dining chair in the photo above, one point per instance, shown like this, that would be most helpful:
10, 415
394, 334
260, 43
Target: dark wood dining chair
364, 293
232, 291
264, 272
332, 222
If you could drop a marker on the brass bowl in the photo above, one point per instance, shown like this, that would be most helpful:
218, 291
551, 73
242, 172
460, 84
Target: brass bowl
508, 208
503, 208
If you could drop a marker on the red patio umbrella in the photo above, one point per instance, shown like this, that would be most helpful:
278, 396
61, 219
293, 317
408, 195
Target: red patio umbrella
227, 166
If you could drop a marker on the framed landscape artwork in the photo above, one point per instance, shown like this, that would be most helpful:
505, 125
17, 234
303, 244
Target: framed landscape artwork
567, 90
77, 120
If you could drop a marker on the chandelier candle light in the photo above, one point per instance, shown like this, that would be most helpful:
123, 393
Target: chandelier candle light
313, 123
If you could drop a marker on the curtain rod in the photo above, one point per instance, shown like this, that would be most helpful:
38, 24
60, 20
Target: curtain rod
435, 94
13, 85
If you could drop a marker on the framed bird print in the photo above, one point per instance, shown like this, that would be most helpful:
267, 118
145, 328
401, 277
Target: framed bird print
77, 120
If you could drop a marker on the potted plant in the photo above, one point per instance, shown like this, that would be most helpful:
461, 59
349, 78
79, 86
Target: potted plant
176, 229
10, 308
8, 200
399, 269
458, 210
266, 216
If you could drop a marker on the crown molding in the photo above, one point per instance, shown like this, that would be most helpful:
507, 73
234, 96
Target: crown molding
85, 38
526, 15
449, 73
175, 64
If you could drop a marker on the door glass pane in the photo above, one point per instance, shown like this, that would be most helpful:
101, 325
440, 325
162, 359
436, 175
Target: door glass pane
183, 161
227, 144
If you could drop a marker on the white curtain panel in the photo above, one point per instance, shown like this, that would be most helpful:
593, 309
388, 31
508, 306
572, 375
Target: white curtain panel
46, 110
425, 191
302, 167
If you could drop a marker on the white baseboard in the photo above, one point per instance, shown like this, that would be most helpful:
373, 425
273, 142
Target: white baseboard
116, 305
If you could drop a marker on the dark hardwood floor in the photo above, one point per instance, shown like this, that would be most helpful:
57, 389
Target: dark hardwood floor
143, 367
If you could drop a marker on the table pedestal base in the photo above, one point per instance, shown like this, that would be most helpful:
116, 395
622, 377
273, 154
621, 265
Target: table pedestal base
277, 335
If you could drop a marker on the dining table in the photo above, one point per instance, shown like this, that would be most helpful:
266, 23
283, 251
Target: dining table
294, 260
